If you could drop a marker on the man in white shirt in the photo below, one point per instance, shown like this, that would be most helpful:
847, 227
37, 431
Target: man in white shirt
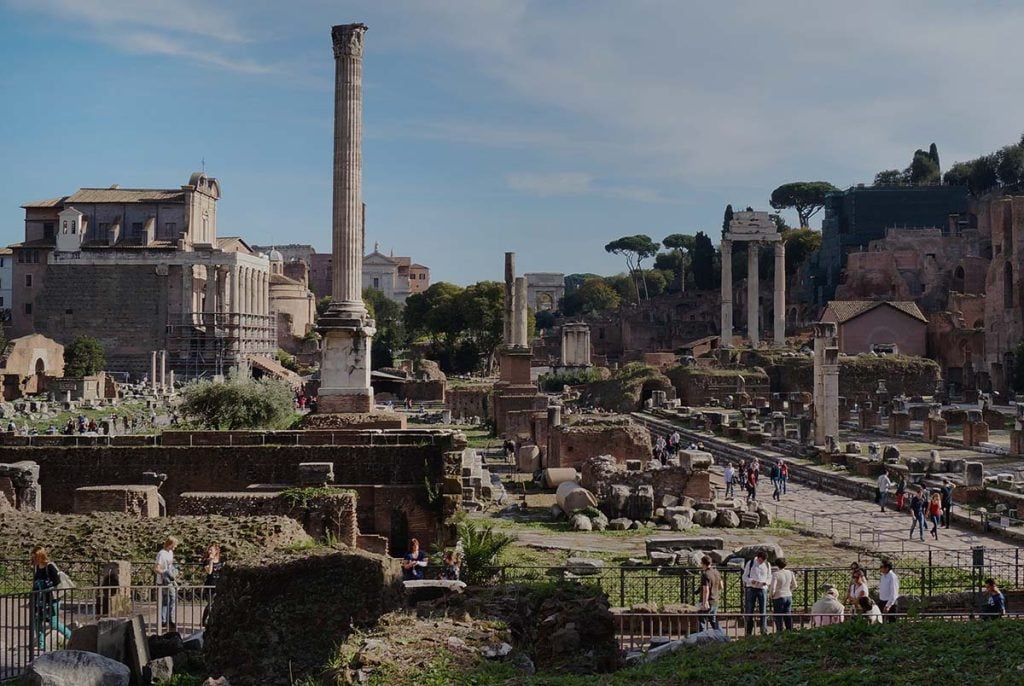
888, 591
884, 484
730, 477
781, 591
757, 575
167, 578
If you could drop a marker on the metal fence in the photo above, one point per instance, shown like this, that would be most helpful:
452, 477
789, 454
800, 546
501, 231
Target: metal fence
16, 574
660, 586
39, 621
638, 631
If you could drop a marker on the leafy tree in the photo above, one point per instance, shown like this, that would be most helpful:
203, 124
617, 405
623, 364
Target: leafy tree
390, 338
544, 319
238, 404
83, 357
959, 174
800, 244
890, 177
594, 296
623, 285
923, 169
680, 242
984, 174
780, 224
635, 249
657, 280
482, 307
435, 313
321, 305
806, 197
1011, 165
574, 281
703, 262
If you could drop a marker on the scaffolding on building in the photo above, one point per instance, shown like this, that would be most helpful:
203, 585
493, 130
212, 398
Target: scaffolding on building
207, 344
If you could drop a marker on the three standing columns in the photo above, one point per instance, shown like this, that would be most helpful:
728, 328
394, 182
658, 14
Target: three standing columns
753, 294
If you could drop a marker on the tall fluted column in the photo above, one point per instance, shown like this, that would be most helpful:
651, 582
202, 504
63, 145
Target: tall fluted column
186, 295
348, 167
210, 306
346, 327
152, 371
780, 294
726, 339
753, 281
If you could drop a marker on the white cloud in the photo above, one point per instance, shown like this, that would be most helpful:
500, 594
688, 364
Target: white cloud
547, 185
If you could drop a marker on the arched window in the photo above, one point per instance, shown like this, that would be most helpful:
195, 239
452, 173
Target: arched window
958, 280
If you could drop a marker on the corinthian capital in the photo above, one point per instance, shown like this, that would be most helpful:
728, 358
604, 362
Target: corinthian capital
348, 40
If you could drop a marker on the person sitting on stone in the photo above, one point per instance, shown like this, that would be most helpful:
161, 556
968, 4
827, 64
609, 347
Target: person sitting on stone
870, 610
827, 610
450, 569
415, 562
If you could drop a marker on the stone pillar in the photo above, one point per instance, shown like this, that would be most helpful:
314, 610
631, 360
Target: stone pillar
163, 371
510, 278
152, 371
224, 293
346, 327
780, 294
753, 283
726, 339
347, 227
826, 383
210, 306
519, 324
170, 381
186, 294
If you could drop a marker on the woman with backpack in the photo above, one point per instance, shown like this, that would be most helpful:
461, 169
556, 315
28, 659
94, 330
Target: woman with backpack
45, 603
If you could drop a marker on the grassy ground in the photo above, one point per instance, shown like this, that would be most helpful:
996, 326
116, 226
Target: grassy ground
848, 654
134, 408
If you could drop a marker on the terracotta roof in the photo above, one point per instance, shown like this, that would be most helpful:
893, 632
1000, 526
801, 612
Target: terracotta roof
126, 195
36, 243
845, 310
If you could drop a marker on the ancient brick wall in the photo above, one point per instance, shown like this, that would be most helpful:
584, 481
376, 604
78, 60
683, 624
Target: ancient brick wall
136, 501
469, 401
320, 515
571, 445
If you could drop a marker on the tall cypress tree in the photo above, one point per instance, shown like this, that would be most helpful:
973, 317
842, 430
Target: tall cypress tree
933, 152
727, 219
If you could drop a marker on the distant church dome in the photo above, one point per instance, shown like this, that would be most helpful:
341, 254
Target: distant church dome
275, 256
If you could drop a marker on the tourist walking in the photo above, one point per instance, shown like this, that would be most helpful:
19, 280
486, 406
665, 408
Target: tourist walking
858, 587
827, 610
784, 475
947, 502
46, 603
730, 476
776, 477
167, 580
935, 513
995, 601
415, 562
781, 591
901, 491
757, 575
710, 592
917, 507
888, 590
212, 565
751, 484
884, 484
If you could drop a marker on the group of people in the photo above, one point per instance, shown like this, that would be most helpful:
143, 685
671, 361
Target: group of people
414, 564
665, 448
166, 572
935, 506
747, 475
762, 583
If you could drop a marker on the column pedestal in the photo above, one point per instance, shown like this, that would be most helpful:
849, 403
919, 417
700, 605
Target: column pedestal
345, 363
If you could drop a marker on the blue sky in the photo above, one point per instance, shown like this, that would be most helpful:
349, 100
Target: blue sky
545, 128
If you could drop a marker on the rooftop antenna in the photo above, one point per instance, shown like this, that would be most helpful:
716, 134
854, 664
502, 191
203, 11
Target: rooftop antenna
204, 164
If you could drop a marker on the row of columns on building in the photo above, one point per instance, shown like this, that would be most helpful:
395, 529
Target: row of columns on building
165, 381
753, 294
238, 289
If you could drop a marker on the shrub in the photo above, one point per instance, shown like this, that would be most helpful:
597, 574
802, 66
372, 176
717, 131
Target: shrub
238, 404
481, 545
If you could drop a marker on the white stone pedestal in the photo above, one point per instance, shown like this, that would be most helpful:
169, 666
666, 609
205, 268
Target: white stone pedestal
345, 365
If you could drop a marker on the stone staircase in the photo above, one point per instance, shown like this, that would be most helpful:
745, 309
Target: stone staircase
478, 483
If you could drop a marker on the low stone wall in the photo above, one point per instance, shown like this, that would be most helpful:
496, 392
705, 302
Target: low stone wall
599, 474
320, 514
469, 401
133, 500
275, 623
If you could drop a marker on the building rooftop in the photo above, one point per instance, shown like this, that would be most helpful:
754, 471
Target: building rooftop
845, 310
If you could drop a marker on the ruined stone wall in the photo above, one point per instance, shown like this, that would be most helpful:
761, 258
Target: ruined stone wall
573, 444
469, 401
695, 386
320, 514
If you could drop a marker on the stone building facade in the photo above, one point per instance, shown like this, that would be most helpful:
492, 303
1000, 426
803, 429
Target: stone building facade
1003, 217
878, 326
143, 270
396, 277
291, 302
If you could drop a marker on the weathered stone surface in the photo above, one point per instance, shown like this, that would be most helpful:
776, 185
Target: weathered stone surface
749, 520
705, 517
580, 522
620, 524
659, 557
599, 522
693, 460
75, 668
584, 565
727, 519
84, 638
161, 669
641, 503
571, 497
747, 552
618, 499
682, 522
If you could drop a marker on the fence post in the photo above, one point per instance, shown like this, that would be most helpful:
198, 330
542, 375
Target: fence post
622, 587
1016, 568
923, 585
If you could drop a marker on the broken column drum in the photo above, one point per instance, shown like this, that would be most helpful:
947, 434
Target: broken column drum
826, 382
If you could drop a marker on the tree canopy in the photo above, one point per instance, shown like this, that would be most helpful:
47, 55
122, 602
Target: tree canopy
238, 403
594, 296
800, 244
635, 249
806, 197
83, 357
703, 262
390, 338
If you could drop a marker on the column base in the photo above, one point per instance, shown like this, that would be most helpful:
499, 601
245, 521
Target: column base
328, 402
353, 420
